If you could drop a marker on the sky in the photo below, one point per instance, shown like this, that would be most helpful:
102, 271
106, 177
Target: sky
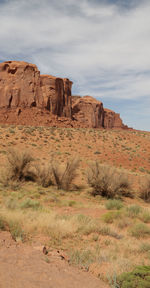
103, 46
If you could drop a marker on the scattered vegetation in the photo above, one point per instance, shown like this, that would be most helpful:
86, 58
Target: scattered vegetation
29, 203
133, 211
107, 181
114, 204
18, 166
64, 176
138, 278
111, 216
104, 238
140, 230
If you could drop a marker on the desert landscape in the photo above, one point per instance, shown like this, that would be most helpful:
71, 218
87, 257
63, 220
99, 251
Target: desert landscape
74, 187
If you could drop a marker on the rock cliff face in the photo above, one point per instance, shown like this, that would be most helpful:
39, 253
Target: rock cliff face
56, 93
89, 111
19, 85
112, 119
22, 87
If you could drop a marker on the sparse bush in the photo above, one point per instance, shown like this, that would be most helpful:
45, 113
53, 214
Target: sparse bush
140, 230
145, 247
29, 203
11, 204
16, 231
18, 165
145, 216
82, 258
111, 216
145, 189
138, 278
133, 211
64, 177
107, 181
114, 204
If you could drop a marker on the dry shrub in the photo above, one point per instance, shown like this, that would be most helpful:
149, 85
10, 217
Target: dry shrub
64, 176
145, 189
18, 166
107, 181
44, 174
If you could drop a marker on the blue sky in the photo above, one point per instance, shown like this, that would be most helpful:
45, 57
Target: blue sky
103, 46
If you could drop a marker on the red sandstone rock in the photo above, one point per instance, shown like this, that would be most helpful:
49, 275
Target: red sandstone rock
22, 86
112, 119
88, 111
91, 113
56, 94
19, 84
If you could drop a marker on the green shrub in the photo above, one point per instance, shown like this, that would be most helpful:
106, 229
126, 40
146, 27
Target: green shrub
145, 216
107, 181
114, 204
140, 230
138, 278
110, 216
133, 211
29, 203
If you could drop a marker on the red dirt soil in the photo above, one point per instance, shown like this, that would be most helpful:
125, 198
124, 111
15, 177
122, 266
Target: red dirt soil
24, 266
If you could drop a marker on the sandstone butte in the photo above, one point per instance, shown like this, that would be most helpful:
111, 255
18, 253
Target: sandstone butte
25, 95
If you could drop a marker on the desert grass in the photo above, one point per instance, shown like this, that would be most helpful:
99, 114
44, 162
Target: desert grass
106, 246
60, 217
114, 204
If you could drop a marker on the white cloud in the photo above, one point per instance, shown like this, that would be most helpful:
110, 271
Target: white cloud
103, 47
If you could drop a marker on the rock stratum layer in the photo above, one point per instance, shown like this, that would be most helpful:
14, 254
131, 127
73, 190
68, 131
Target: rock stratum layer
33, 96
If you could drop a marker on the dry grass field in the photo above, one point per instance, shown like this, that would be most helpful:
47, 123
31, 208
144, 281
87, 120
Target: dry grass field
103, 235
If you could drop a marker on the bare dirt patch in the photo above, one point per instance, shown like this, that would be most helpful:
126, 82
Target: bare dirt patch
23, 266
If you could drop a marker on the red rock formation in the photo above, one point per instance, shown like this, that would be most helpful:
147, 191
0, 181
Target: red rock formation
19, 84
22, 86
112, 119
89, 111
56, 95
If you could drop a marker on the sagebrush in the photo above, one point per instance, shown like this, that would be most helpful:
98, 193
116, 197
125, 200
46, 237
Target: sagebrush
107, 181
